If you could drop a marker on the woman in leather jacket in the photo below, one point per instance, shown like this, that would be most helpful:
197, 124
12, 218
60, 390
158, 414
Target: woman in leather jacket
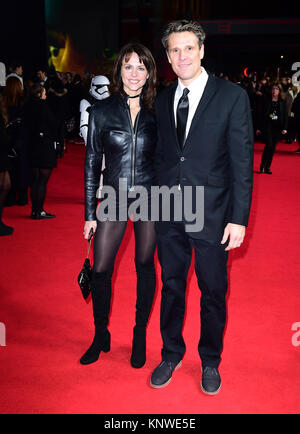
123, 128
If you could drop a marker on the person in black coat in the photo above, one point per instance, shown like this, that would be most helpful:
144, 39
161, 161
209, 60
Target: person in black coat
20, 173
5, 165
122, 127
296, 111
41, 129
204, 152
273, 123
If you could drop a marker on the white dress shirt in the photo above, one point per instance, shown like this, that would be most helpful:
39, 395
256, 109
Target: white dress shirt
196, 89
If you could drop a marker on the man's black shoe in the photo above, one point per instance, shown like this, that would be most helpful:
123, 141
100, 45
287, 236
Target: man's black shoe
162, 375
41, 215
211, 381
268, 172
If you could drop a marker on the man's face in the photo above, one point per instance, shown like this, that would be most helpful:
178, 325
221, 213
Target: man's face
19, 70
185, 56
41, 75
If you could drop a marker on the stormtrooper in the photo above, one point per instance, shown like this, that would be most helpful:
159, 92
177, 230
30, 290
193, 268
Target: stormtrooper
98, 91
2, 75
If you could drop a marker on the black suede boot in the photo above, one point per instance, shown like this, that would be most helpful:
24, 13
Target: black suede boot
4, 229
146, 283
101, 296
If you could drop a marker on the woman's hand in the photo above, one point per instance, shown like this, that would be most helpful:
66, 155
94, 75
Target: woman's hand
87, 228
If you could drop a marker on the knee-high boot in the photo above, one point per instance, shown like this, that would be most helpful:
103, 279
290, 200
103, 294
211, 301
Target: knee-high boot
101, 297
146, 283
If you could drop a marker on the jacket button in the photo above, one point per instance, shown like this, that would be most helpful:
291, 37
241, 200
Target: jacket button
182, 159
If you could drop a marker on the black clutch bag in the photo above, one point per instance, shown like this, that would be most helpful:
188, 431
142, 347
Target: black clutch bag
85, 275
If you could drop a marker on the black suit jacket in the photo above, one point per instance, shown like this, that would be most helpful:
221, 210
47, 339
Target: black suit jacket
218, 154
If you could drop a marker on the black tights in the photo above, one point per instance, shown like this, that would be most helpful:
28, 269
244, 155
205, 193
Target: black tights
109, 235
5, 185
39, 188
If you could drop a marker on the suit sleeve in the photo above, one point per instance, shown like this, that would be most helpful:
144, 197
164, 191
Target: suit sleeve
93, 164
158, 150
241, 150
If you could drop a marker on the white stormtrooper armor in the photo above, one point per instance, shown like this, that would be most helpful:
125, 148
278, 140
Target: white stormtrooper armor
2, 74
98, 91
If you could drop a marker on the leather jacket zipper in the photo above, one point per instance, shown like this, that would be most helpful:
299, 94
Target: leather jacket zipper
133, 153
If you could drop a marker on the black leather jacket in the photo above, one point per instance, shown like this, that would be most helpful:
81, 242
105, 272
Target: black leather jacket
129, 150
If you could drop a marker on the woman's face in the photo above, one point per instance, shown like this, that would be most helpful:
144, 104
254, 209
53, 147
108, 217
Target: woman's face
275, 91
134, 75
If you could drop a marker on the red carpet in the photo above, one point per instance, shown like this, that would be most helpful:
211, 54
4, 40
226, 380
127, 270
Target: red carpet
49, 326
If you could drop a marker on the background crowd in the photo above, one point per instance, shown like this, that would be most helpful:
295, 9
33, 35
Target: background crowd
31, 120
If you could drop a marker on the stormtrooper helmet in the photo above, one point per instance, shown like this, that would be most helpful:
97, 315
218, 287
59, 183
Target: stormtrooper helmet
99, 87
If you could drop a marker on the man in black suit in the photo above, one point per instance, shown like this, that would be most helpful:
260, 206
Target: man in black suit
205, 139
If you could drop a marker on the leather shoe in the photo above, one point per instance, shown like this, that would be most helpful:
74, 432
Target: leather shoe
211, 381
5, 230
40, 215
268, 171
162, 375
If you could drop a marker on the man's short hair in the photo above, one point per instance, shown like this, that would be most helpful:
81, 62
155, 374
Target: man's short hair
183, 26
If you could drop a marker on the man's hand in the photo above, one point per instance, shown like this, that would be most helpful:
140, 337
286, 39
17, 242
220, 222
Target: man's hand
236, 234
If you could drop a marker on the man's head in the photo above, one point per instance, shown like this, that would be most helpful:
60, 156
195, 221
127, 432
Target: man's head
41, 74
16, 67
183, 41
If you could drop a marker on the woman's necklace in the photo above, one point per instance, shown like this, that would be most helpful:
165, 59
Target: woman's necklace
136, 96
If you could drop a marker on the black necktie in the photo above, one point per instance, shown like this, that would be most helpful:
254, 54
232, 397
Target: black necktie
182, 115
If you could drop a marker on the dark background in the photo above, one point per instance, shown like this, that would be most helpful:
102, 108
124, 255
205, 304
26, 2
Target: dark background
97, 25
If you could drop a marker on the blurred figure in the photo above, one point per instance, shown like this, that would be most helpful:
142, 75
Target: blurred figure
75, 94
273, 123
57, 100
290, 96
296, 111
19, 173
16, 70
41, 130
5, 143
43, 78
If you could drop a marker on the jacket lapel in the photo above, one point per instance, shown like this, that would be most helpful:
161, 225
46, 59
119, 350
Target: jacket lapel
209, 91
171, 96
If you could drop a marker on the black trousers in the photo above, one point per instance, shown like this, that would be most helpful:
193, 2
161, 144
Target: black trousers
174, 253
273, 135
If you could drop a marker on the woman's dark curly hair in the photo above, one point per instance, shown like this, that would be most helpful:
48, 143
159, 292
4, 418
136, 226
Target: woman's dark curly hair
145, 57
